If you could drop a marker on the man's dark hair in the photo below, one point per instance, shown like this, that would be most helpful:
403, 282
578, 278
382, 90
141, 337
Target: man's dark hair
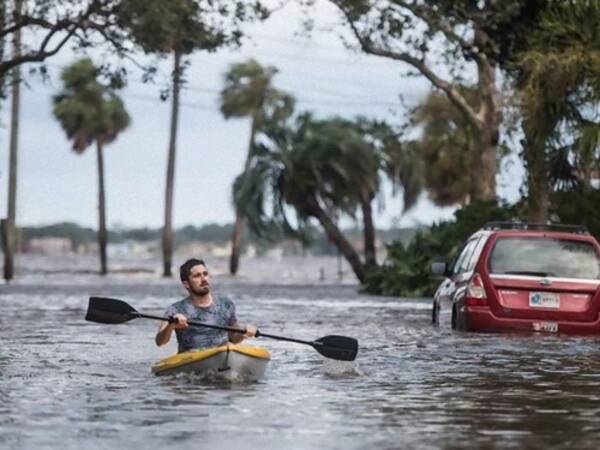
186, 268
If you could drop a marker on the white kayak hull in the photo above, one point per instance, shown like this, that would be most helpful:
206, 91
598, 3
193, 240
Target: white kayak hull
230, 362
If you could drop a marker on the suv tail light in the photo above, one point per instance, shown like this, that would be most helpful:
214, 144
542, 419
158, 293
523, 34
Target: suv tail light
476, 292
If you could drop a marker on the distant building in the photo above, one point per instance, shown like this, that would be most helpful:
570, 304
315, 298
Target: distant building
87, 248
49, 245
132, 249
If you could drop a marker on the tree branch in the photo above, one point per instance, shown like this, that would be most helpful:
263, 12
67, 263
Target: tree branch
24, 22
435, 24
40, 54
453, 95
70, 24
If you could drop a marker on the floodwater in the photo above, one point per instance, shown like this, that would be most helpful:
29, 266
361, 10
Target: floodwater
68, 383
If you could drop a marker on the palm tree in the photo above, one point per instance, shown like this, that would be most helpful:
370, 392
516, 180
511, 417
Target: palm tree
387, 156
296, 179
90, 112
559, 84
178, 28
346, 172
172, 28
313, 169
248, 93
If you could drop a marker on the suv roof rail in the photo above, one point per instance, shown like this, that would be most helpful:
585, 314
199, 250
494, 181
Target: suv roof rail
518, 225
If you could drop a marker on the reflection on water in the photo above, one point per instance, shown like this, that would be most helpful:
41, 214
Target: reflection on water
67, 383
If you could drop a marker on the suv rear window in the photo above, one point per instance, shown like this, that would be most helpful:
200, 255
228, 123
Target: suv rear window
545, 257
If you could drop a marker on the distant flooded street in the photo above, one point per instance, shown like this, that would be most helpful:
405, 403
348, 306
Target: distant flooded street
68, 383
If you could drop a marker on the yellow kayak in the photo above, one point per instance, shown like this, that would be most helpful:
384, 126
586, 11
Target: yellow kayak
229, 361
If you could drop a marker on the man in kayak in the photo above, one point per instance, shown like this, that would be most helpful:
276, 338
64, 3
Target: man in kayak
201, 306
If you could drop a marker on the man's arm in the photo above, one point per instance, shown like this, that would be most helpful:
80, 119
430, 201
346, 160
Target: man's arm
165, 329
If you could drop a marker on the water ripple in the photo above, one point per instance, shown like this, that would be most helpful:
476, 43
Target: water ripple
67, 383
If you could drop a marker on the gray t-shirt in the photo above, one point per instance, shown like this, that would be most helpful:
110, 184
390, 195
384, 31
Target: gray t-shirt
221, 313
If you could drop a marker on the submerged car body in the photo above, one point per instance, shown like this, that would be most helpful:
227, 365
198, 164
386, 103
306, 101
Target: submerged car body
512, 277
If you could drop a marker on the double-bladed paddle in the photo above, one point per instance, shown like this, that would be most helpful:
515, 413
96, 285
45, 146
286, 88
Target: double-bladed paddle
112, 310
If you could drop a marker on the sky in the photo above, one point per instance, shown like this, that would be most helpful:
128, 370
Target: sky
57, 185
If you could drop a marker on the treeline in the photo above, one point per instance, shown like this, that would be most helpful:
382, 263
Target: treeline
84, 235
317, 242
517, 77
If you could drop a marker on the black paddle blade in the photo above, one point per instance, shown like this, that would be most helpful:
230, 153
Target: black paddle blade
337, 347
109, 310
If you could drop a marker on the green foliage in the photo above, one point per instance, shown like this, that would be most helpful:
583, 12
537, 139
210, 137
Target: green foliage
510, 36
55, 24
183, 26
2, 46
249, 91
338, 164
87, 110
321, 170
446, 41
558, 77
579, 208
446, 147
211, 232
82, 235
406, 271
334, 162
559, 71
399, 161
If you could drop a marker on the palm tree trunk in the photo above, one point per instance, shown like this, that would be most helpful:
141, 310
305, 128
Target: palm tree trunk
538, 124
538, 177
337, 237
368, 233
236, 242
102, 234
9, 232
167, 235
238, 228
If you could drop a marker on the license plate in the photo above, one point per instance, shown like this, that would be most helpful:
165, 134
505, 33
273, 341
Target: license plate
544, 300
548, 327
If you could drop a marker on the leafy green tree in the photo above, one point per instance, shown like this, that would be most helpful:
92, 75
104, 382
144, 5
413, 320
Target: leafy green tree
58, 22
178, 28
406, 271
249, 92
299, 182
88, 112
558, 78
314, 170
347, 174
373, 151
466, 34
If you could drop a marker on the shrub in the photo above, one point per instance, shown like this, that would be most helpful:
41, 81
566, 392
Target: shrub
406, 271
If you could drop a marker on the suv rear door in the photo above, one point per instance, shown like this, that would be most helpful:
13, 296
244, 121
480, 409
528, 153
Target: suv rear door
543, 276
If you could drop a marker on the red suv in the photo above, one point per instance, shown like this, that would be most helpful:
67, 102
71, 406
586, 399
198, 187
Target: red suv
522, 277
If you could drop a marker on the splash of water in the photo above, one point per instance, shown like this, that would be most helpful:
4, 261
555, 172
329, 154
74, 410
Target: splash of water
340, 369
